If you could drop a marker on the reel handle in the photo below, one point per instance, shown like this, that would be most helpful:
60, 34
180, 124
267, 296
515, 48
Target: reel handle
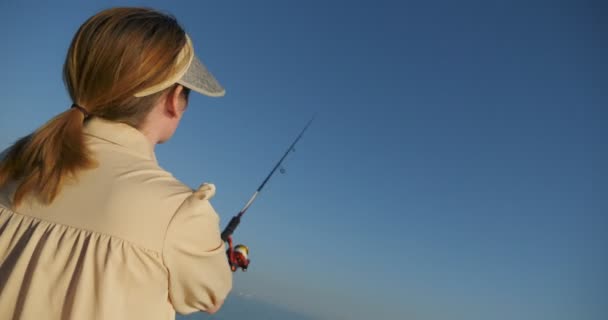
236, 259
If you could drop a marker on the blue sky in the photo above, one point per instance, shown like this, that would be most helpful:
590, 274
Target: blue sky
455, 169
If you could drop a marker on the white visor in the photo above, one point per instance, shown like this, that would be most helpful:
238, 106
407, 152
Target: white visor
191, 73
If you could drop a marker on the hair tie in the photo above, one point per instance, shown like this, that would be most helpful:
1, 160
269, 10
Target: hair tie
81, 109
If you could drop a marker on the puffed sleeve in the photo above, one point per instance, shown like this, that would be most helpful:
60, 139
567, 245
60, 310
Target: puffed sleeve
199, 274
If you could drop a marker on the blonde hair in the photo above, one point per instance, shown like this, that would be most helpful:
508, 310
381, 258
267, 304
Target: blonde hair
113, 55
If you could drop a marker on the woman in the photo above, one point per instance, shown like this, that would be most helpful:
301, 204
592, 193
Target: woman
90, 226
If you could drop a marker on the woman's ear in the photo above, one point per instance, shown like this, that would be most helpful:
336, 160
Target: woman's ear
174, 102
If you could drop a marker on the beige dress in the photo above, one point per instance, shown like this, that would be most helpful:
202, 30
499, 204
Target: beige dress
126, 240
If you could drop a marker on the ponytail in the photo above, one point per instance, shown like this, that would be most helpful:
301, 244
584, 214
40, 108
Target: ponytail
41, 161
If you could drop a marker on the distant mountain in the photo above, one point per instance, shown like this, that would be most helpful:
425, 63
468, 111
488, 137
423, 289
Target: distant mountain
239, 308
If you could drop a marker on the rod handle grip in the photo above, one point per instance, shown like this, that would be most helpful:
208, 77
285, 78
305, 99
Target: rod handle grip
234, 222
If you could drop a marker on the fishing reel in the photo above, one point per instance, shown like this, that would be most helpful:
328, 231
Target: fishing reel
237, 256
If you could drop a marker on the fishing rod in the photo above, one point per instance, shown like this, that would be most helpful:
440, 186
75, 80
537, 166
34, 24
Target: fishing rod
238, 255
